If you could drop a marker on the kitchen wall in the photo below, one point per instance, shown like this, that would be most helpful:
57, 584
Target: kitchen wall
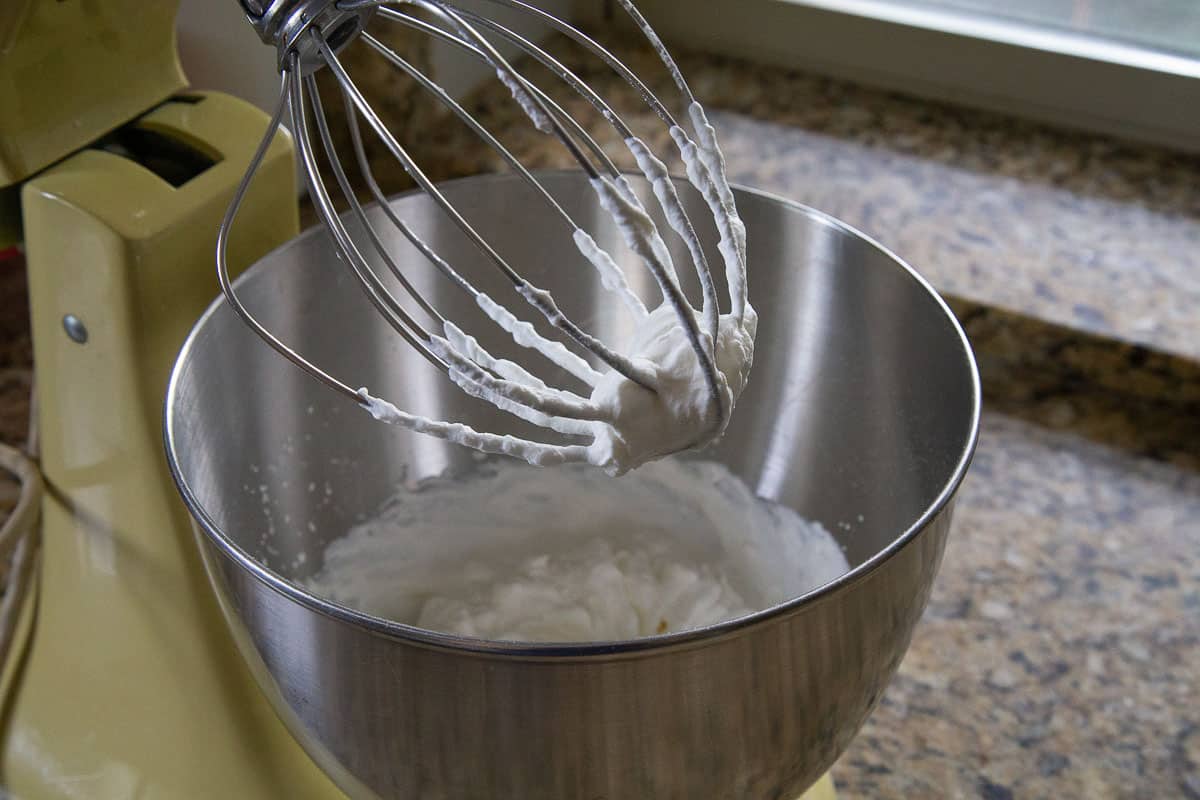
219, 50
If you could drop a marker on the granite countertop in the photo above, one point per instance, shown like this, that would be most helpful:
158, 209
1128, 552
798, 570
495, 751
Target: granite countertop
1059, 654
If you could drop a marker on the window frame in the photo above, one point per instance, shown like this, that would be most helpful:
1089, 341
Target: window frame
1045, 74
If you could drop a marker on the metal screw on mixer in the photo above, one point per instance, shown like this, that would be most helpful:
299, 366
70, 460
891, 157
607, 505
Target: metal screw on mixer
75, 329
628, 388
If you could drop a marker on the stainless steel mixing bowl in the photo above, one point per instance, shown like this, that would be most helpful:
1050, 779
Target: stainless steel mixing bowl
862, 412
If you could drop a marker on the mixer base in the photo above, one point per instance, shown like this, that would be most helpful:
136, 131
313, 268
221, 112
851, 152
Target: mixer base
822, 790
128, 683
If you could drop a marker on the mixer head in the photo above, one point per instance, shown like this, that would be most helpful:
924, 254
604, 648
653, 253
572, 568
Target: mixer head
70, 73
675, 388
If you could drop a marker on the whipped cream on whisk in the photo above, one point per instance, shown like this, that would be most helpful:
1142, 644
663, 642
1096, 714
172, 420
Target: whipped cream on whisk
641, 425
683, 370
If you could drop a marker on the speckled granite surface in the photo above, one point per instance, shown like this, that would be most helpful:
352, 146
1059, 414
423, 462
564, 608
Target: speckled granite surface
1058, 658
1081, 231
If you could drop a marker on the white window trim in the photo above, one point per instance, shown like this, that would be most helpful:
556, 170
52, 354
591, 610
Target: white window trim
1052, 76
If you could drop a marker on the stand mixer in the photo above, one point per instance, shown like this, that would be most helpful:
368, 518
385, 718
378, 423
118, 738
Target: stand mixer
123, 680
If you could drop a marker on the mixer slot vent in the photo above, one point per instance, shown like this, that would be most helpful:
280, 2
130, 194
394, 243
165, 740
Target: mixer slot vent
171, 159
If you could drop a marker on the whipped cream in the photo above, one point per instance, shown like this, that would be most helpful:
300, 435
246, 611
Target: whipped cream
513, 553
675, 386
639, 425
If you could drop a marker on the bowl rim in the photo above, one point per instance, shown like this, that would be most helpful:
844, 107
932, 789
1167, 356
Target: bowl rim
411, 634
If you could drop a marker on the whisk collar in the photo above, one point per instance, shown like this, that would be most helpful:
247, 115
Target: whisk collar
284, 23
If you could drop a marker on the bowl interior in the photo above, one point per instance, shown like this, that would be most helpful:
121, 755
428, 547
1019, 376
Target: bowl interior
860, 412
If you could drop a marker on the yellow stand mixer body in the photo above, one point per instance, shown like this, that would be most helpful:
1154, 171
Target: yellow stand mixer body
123, 681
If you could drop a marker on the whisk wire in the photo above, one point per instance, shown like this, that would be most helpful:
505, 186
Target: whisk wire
364, 221
505, 384
222, 250
596, 48
483, 133
676, 214
538, 112
383, 301
435, 32
664, 190
536, 297
373, 187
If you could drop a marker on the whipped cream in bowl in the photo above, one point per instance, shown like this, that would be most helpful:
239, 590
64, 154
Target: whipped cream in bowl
510, 552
